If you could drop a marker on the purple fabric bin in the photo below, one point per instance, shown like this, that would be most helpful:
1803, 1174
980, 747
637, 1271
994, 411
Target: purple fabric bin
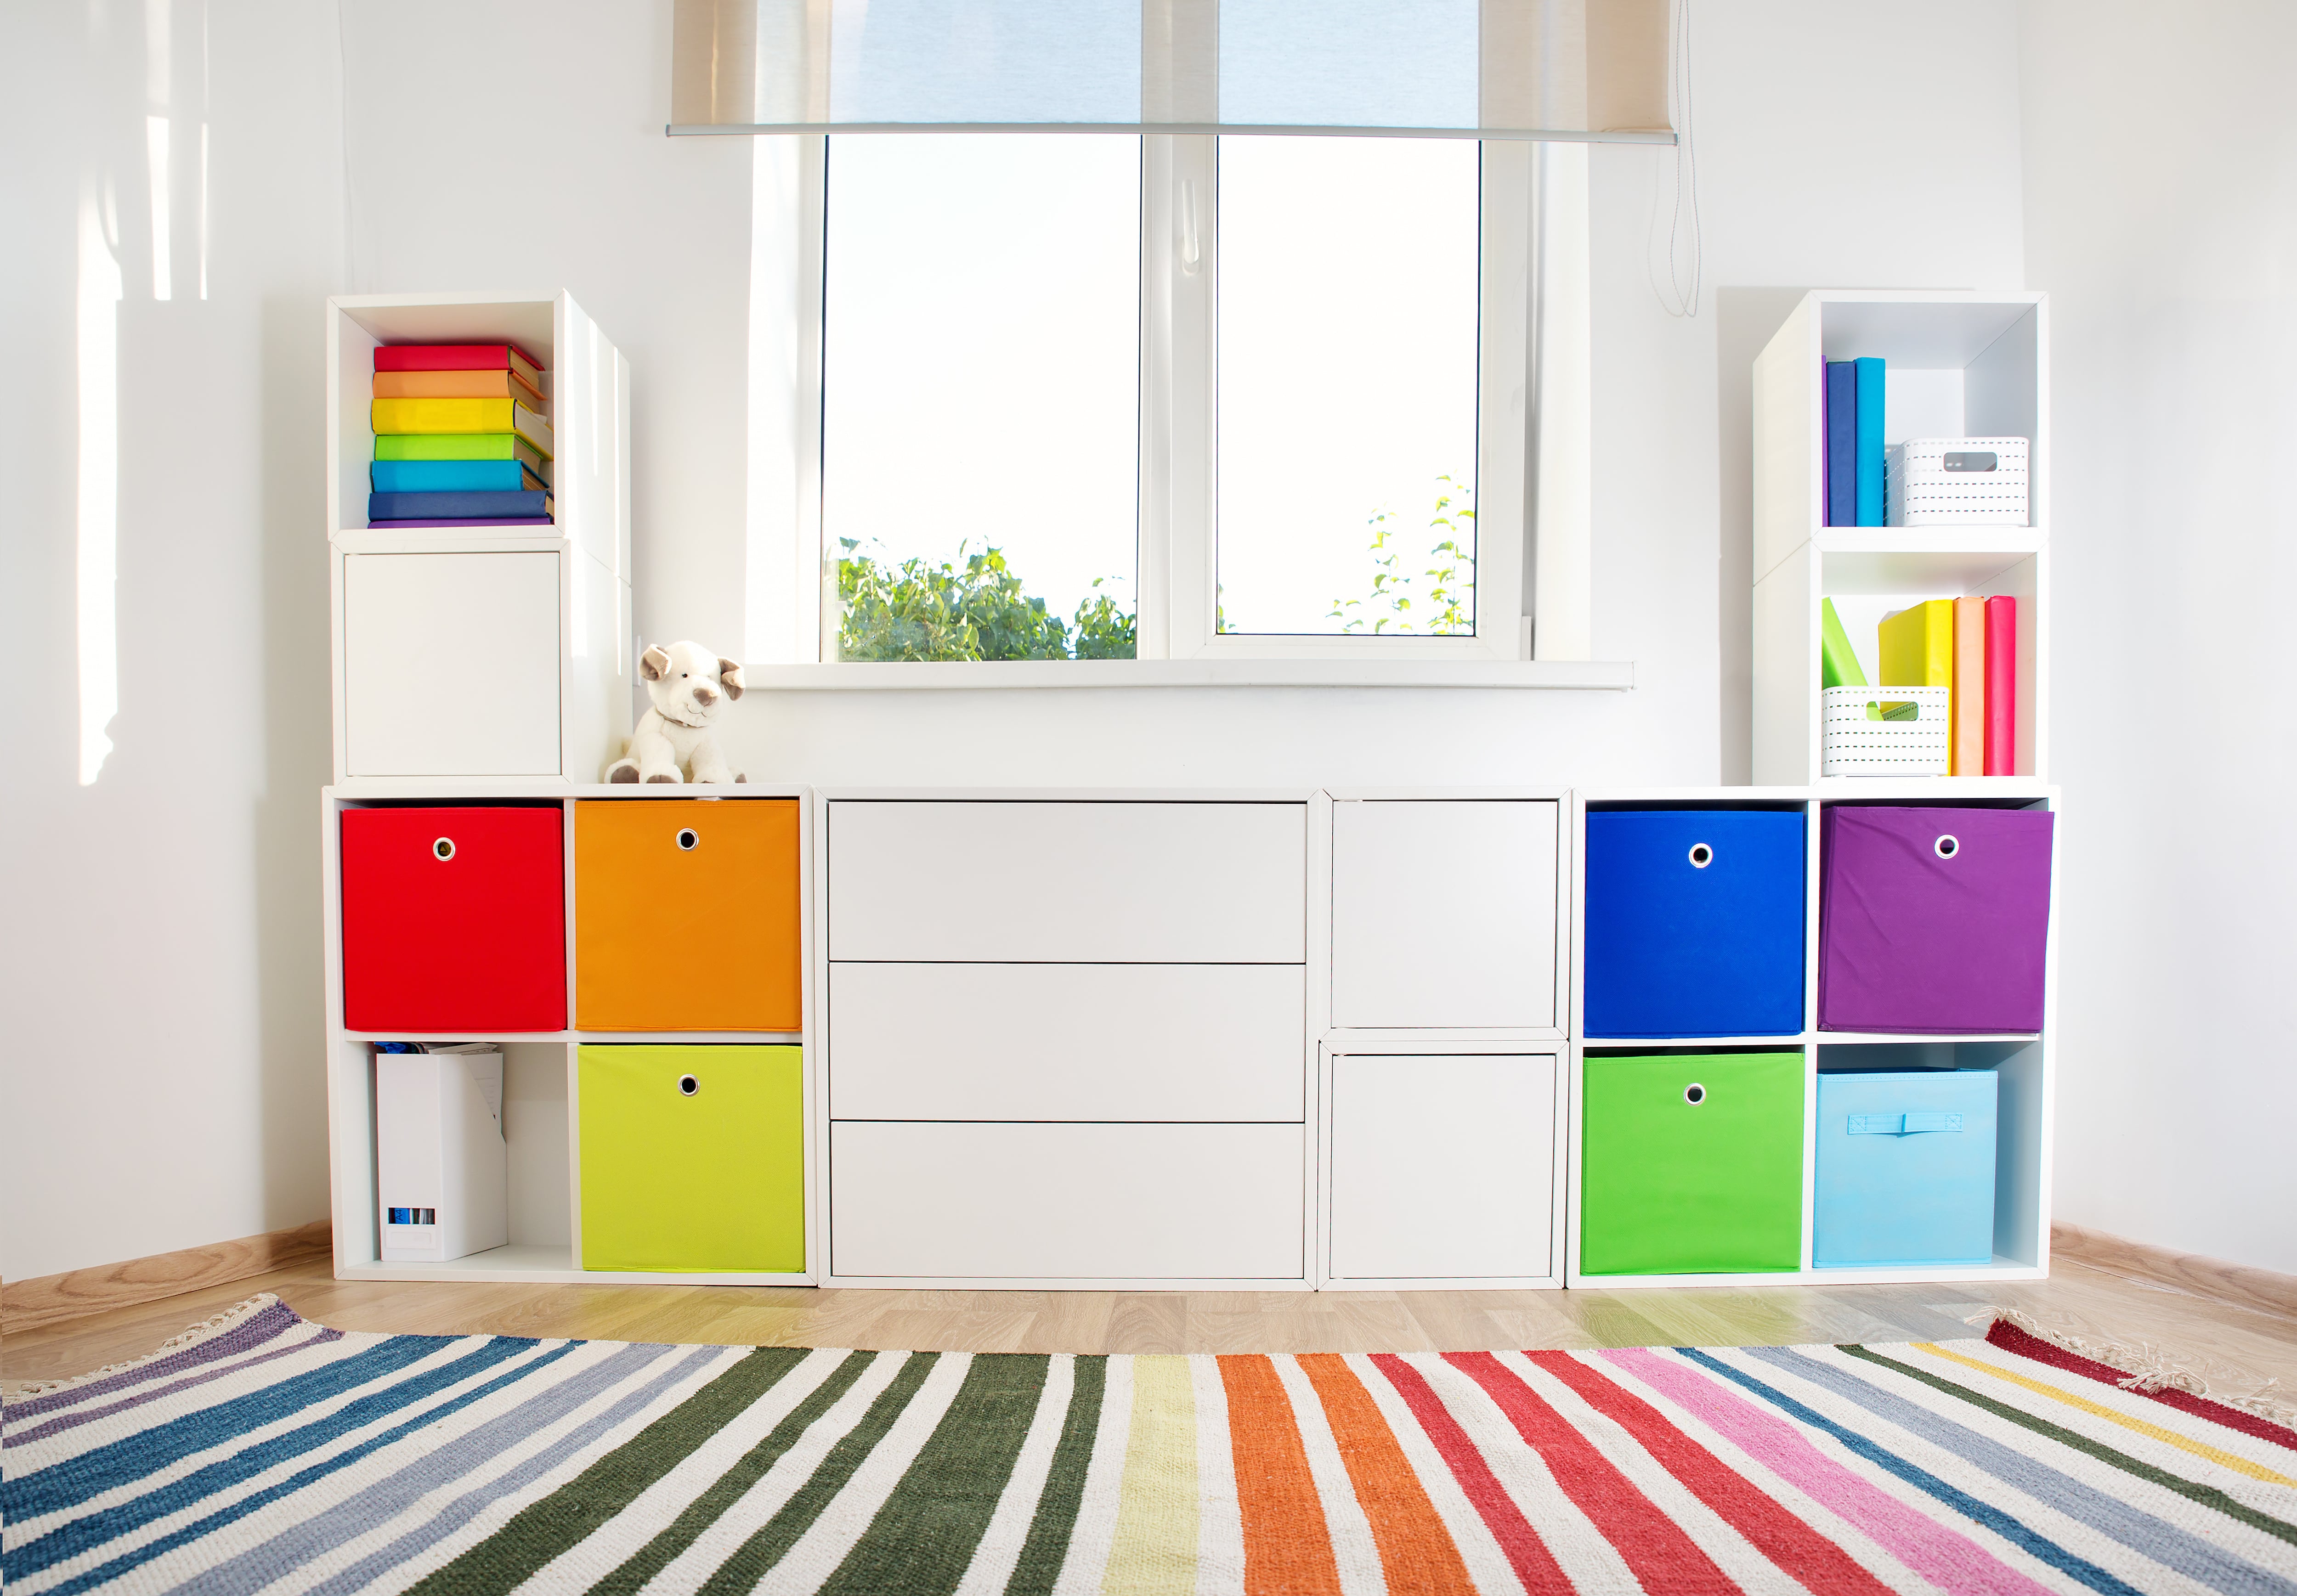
1932, 920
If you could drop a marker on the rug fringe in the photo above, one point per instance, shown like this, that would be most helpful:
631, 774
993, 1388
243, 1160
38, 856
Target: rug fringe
193, 1336
2150, 1368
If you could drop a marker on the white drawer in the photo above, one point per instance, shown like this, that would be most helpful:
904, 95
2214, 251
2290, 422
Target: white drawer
1068, 883
1067, 1202
1053, 1041
1442, 1167
1444, 912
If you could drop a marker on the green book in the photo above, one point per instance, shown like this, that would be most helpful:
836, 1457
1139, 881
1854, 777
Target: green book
1838, 665
462, 446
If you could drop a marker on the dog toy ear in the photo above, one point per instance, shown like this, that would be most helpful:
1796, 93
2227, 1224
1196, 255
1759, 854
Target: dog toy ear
653, 664
729, 674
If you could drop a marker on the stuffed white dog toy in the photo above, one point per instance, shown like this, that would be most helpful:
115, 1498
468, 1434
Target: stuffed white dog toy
689, 685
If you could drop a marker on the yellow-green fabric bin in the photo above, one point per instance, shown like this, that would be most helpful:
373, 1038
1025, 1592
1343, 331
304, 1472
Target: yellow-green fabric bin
693, 1158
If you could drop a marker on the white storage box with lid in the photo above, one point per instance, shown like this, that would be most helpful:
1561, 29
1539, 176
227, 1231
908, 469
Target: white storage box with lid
443, 1169
1867, 733
1956, 481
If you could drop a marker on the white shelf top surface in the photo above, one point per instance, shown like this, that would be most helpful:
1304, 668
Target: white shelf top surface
1922, 334
525, 319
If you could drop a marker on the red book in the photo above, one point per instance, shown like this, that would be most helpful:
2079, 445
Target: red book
457, 356
2002, 687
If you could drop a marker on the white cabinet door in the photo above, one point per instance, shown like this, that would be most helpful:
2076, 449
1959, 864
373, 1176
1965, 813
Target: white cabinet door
1442, 1167
1049, 1041
451, 664
1068, 883
1067, 1202
1444, 913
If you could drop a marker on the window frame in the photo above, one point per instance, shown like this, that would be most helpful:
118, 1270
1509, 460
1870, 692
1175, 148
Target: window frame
793, 601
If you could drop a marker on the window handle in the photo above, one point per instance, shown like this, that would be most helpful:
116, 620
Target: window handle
1191, 251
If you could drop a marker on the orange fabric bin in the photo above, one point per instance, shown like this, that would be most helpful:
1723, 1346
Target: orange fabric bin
686, 915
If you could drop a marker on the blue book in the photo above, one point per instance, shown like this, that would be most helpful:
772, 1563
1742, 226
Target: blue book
452, 476
433, 506
1842, 443
1870, 441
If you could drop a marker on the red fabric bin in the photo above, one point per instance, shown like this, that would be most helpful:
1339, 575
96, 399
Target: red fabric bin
453, 920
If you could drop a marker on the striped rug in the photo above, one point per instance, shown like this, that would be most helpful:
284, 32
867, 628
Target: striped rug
269, 1453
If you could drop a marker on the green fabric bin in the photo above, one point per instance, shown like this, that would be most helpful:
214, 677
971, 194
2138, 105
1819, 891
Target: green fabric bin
693, 1158
1690, 1164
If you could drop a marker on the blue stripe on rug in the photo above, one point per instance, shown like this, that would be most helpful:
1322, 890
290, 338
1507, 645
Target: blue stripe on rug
2001, 1523
86, 1534
78, 1480
2142, 1533
360, 1513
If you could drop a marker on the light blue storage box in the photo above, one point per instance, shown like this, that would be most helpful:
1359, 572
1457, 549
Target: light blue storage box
1905, 1168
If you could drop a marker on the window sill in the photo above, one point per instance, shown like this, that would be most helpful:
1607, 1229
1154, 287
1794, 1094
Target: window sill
974, 676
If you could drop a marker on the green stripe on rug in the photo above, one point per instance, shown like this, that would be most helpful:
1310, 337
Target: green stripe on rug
2208, 1496
755, 1555
924, 1538
1048, 1545
727, 1489
543, 1529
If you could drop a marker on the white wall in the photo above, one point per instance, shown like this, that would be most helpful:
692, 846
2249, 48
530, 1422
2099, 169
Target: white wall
159, 1084
2160, 166
530, 155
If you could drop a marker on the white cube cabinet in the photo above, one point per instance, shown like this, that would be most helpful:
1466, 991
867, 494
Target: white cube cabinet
1443, 1166
1067, 1038
450, 664
1444, 913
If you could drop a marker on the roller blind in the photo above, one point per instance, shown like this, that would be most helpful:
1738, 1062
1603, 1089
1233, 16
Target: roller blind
1588, 70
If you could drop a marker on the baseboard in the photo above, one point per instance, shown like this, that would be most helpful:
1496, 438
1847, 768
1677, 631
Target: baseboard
50, 1299
2263, 1289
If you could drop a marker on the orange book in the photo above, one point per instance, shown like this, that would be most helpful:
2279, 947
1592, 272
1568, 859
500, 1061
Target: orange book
457, 384
1968, 713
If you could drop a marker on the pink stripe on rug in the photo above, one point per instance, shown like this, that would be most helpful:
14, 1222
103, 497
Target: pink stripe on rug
1929, 1548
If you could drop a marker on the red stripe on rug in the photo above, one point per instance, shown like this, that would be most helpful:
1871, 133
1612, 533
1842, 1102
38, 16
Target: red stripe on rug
1415, 1548
2010, 1339
1524, 1552
1287, 1548
1777, 1534
1662, 1557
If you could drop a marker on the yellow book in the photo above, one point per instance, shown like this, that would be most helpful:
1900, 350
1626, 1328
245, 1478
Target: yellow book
1917, 646
392, 416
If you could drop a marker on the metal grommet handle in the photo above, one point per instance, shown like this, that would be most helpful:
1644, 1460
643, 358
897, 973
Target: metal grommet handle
1694, 1094
1701, 856
443, 850
688, 839
688, 1086
1947, 846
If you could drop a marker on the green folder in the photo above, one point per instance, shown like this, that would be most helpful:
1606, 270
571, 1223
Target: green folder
1837, 666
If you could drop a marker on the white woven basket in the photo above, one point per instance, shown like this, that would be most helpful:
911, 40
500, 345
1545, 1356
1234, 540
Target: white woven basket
1956, 481
1855, 743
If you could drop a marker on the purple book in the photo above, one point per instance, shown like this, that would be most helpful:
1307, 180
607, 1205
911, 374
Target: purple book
388, 526
1932, 920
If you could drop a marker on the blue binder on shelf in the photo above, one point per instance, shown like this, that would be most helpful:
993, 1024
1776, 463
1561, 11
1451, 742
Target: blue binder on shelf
1872, 498
1842, 443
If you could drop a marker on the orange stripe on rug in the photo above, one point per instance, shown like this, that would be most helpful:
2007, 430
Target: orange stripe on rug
1287, 1548
1416, 1552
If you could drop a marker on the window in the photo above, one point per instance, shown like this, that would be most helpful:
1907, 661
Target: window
1094, 395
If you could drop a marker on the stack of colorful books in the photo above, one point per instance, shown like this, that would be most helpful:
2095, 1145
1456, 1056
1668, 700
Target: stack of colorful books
1967, 645
462, 437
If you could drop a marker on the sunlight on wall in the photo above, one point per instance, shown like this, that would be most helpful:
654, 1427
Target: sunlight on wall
157, 44
99, 294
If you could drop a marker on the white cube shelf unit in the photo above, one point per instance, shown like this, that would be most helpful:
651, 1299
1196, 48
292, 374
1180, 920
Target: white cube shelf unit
1959, 365
482, 653
2025, 1062
541, 1093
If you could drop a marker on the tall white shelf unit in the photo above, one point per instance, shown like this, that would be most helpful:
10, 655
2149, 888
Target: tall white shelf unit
1959, 365
482, 653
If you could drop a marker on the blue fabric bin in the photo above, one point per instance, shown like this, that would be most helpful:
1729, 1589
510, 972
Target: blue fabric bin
1694, 923
1905, 1168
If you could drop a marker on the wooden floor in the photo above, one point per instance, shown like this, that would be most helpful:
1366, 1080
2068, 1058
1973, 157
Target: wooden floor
2235, 1348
